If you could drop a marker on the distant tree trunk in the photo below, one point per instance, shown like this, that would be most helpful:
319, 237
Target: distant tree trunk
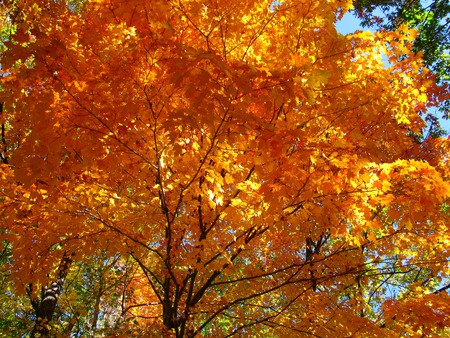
97, 308
45, 306
3, 155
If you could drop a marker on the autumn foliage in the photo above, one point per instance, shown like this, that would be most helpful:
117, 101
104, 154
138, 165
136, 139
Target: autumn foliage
219, 168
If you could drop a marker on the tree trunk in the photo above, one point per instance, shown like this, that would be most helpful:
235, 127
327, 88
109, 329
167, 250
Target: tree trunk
96, 309
45, 307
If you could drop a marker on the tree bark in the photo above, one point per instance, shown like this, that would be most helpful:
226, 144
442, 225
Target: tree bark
45, 306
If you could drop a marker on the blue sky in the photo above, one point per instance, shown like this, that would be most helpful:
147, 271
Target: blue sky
349, 24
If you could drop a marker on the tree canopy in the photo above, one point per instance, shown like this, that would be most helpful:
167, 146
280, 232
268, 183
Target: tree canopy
430, 18
217, 168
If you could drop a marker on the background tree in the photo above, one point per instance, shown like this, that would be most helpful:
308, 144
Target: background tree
222, 168
430, 18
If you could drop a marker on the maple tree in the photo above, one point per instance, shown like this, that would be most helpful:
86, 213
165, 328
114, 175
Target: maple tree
432, 20
220, 168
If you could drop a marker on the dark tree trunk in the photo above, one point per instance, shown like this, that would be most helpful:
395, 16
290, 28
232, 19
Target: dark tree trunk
45, 306
3, 155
